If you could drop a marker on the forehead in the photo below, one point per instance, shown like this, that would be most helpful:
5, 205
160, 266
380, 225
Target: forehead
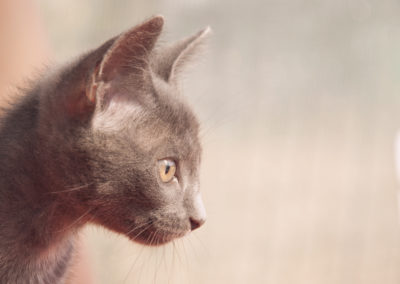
172, 130
170, 127
163, 124
172, 111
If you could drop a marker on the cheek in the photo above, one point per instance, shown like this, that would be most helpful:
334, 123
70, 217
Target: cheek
172, 193
172, 199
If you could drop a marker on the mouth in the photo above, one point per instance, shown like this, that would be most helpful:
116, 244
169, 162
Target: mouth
156, 236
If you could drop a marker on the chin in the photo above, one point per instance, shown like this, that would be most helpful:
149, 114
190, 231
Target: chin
157, 237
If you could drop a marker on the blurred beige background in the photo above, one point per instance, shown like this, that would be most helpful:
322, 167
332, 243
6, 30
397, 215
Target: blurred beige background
299, 102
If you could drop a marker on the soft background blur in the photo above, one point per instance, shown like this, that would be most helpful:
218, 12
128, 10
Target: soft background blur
299, 102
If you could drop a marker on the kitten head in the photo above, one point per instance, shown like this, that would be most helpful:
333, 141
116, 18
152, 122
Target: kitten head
128, 138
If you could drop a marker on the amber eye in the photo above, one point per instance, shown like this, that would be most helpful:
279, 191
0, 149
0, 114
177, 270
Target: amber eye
167, 169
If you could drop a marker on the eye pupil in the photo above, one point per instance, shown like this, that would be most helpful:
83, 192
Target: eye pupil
167, 169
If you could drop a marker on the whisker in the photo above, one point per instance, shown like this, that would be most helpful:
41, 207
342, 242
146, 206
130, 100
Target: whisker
155, 266
173, 261
138, 227
76, 188
186, 257
177, 253
192, 247
142, 231
164, 259
150, 242
216, 123
79, 187
202, 243
153, 238
133, 264
75, 222
135, 228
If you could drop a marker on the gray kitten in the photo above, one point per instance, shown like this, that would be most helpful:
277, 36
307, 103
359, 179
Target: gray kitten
107, 140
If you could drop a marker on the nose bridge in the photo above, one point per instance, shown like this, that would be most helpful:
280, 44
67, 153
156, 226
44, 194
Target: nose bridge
197, 210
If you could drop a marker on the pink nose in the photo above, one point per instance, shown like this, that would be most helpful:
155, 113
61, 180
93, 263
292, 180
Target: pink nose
196, 223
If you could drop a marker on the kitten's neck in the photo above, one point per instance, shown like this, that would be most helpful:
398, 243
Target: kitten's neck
36, 240
44, 266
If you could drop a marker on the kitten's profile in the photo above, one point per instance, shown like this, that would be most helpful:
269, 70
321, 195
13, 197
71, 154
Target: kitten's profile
106, 140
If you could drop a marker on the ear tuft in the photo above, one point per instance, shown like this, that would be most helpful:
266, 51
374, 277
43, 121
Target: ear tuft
157, 22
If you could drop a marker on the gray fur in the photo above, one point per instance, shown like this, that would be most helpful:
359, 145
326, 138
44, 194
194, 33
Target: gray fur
82, 146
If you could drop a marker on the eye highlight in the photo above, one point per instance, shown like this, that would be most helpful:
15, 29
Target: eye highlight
166, 169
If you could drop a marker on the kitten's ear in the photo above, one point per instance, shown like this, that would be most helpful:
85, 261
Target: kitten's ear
169, 61
123, 55
129, 53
